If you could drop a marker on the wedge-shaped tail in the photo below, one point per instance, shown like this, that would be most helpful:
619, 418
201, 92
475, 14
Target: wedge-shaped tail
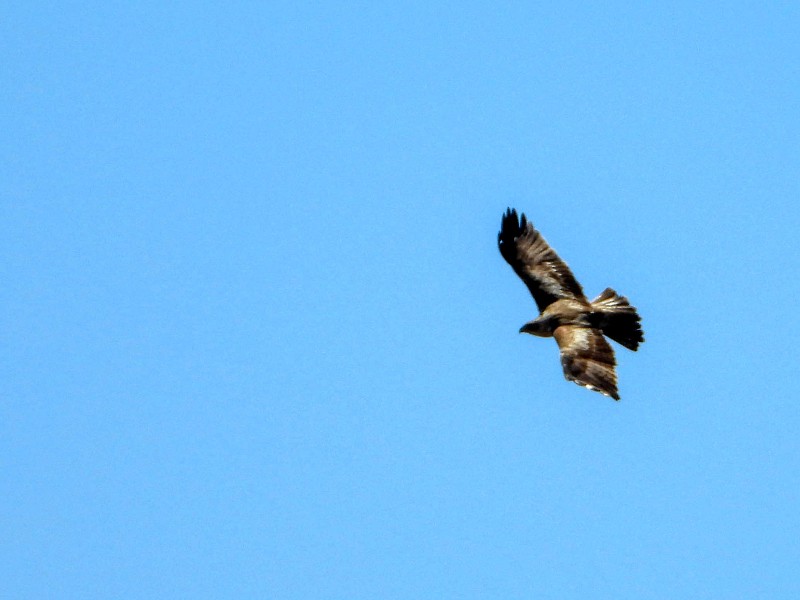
614, 315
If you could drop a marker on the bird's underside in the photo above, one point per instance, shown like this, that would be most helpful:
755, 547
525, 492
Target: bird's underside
578, 325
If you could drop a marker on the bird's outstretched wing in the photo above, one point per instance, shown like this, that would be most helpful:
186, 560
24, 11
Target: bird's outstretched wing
587, 359
547, 276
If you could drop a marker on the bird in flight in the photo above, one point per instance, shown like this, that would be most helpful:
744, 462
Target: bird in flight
579, 326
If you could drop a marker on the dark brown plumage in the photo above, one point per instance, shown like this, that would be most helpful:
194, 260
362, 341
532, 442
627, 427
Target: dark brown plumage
578, 326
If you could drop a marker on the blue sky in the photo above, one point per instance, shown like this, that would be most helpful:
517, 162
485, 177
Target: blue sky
258, 341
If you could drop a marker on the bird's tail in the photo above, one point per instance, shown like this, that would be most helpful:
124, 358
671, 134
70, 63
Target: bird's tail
618, 319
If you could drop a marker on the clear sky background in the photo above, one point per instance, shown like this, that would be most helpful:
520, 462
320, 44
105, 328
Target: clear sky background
258, 341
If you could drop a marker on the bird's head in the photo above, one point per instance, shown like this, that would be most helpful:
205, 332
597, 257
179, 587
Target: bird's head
538, 327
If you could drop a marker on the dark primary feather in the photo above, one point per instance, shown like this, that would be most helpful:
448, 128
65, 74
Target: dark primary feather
547, 276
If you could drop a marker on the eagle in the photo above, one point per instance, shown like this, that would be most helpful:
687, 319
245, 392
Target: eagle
580, 327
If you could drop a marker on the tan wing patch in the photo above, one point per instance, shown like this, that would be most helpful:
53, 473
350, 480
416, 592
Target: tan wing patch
587, 359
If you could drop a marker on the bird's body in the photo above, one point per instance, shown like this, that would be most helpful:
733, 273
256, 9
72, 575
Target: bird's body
578, 325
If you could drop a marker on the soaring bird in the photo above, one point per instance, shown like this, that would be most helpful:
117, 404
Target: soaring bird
579, 326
